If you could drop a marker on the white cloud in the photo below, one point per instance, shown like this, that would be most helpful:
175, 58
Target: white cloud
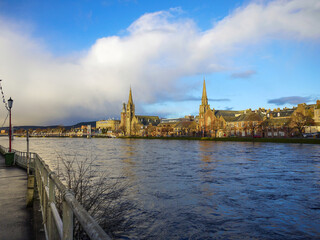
159, 48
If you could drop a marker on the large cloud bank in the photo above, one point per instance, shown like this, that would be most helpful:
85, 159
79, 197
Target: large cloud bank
159, 49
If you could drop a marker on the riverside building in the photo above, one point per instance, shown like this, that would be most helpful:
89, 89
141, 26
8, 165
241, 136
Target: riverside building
132, 124
287, 122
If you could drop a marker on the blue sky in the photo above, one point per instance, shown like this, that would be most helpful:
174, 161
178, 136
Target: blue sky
59, 23
68, 26
69, 61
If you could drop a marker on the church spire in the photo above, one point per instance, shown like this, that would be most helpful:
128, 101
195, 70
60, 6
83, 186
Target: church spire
204, 100
130, 101
130, 114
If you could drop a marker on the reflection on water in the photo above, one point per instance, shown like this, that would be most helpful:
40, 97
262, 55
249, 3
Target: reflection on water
206, 190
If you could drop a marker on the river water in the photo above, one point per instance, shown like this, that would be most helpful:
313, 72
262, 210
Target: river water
206, 190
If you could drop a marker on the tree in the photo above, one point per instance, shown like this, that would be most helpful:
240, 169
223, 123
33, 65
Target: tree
215, 127
123, 129
300, 120
20, 131
151, 130
136, 128
253, 127
288, 128
101, 195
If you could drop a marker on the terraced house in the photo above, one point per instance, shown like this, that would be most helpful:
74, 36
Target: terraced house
287, 122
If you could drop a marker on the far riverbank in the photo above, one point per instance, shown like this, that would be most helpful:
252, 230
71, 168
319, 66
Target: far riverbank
236, 139
226, 139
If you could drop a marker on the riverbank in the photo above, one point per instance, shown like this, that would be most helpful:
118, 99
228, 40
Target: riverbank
226, 139
235, 139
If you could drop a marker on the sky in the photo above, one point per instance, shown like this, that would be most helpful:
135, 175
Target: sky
64, 62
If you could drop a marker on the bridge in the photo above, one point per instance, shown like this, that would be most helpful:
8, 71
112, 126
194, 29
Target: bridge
30, 174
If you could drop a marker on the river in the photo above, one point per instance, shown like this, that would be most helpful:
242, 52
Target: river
205, 190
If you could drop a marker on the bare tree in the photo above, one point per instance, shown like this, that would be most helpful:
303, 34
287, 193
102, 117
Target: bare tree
102, 196
254, 128
214, 127
123, 129
299, 121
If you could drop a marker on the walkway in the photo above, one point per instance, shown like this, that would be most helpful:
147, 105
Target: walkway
15, 219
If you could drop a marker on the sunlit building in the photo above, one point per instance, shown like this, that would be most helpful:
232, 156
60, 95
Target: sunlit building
285, 122
132, 124
108, 125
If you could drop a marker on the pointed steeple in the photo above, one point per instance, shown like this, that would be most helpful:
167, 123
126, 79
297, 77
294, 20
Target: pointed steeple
204, 107
204, 100
130, 114
130, 101
130, 105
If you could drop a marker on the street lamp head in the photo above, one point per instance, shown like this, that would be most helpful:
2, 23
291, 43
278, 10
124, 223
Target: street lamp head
10, 101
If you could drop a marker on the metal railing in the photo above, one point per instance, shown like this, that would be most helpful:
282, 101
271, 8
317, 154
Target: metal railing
56, 226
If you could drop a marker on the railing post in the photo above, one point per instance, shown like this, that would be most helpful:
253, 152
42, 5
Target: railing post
51, 225
28, 157
39, 170
45, 195
36, 171
30, 190
67, 217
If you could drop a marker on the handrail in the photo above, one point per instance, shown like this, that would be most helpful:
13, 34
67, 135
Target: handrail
47, 182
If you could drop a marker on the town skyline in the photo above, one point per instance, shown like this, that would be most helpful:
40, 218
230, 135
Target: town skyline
77, 63
194, 116
301, 120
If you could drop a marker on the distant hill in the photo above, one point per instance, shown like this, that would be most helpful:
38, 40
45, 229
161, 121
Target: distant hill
92, 123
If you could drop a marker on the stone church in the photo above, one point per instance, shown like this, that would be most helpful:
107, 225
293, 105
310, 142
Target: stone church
210, 123
132, 124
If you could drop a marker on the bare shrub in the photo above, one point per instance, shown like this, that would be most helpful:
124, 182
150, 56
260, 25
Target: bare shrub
101, 195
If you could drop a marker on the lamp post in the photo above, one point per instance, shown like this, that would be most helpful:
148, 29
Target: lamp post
10, 101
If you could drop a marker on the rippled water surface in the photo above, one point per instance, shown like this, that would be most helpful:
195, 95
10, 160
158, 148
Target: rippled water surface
206, 190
